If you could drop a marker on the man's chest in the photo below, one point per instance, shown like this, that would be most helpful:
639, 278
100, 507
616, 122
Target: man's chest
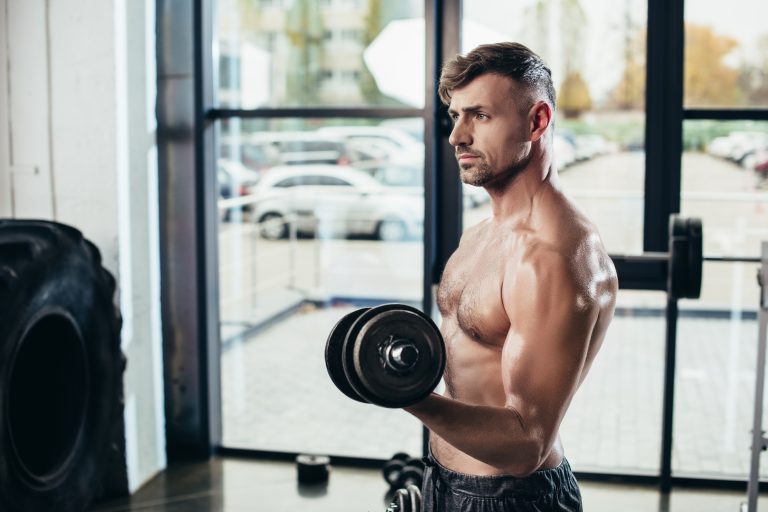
470, 293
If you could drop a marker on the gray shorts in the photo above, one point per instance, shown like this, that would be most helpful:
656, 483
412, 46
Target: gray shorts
548, 490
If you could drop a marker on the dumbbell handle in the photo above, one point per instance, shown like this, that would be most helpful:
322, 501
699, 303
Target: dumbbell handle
400, 354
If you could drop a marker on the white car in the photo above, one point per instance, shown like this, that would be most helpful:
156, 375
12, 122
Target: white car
412, 178
331, 200
392, 145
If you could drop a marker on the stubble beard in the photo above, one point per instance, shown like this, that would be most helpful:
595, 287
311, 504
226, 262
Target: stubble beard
481, 174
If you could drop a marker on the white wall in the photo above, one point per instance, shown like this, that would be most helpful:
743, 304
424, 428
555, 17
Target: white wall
77, 145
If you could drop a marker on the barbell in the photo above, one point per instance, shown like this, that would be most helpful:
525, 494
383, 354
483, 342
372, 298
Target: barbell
684, 257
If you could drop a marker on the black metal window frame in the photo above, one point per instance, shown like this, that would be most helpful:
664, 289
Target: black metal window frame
186, 131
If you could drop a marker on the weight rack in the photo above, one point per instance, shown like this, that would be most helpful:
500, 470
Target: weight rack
759, 441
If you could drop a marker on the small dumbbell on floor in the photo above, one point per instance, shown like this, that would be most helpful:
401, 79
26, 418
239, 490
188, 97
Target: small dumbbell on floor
391, 355
406, 500
403, 470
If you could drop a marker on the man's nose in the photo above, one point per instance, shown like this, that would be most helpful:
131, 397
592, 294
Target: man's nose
460, 135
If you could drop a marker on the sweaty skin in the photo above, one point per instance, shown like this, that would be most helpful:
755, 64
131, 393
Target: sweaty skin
526, 298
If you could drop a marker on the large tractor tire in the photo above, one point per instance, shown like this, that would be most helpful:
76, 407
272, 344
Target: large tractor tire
61, 368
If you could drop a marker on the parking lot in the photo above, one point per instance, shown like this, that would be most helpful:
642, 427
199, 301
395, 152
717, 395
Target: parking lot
279, 299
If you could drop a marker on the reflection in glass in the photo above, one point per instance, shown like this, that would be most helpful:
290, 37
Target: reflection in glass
596, 50
725, 183
317, 218
302, 53
726, 55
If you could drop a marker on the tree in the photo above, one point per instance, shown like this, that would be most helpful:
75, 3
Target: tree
709, 81
369, 89
305, 36
629, 93
573, 97
753, 77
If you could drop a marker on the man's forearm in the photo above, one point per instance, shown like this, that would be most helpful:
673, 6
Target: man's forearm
493, 435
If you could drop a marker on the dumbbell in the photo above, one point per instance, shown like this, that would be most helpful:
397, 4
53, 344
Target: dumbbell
402, 470
391, 355
406, 500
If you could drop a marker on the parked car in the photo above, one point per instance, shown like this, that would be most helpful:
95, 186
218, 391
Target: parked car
331, 200
297, 147
239, 178
393, 145
564, 150
412, 177
235, 180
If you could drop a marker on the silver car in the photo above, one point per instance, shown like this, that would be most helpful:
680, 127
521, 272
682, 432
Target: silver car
333, 200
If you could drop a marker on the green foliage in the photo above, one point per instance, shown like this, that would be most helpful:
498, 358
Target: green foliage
627, 130
697, 135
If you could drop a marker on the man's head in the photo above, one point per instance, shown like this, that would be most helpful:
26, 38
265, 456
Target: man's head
512, 60
501, 100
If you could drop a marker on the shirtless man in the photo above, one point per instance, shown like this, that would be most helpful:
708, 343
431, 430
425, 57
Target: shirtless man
525, 300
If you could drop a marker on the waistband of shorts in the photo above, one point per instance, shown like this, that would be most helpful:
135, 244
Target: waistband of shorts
541, 482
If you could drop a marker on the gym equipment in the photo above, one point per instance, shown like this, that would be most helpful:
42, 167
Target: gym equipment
685, 257
406, 500
61, 369
393, 466
391, 355
759, 441
313, 469
402, 470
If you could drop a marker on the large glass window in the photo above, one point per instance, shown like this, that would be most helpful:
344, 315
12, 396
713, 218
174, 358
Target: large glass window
724, 169
317, 217
717, 350
726, 55
305, 53
321, 215
725, 183
613, 423
596, 50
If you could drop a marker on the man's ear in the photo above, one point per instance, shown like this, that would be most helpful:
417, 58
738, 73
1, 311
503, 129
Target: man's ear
540, 119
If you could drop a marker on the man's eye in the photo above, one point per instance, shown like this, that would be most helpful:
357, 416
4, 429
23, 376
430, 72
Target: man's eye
481, 116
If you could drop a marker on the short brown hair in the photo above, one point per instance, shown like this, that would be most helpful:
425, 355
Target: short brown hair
512, 60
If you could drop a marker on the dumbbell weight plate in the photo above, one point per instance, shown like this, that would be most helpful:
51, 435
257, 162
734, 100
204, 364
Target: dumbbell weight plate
685, 256
333, 353
391, 471
362, 361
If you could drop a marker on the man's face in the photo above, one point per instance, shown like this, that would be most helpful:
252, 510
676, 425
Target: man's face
490, 133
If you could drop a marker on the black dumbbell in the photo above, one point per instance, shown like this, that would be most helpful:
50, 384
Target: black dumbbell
391, 355
411, 474
406, 500
393, 466
402, 470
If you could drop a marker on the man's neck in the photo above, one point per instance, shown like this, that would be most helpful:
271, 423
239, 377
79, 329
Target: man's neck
516, 200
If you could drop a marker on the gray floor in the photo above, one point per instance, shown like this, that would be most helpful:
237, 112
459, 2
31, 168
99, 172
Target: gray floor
233, 485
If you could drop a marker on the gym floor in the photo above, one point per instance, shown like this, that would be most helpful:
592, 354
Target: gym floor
241, 485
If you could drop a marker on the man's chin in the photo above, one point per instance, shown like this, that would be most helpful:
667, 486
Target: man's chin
475, 181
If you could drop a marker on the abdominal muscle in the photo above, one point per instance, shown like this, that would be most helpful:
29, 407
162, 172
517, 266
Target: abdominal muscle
473, 376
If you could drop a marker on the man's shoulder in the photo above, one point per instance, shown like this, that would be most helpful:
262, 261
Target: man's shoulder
569, 252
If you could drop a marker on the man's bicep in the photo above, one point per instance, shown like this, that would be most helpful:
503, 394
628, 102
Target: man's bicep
545, 352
